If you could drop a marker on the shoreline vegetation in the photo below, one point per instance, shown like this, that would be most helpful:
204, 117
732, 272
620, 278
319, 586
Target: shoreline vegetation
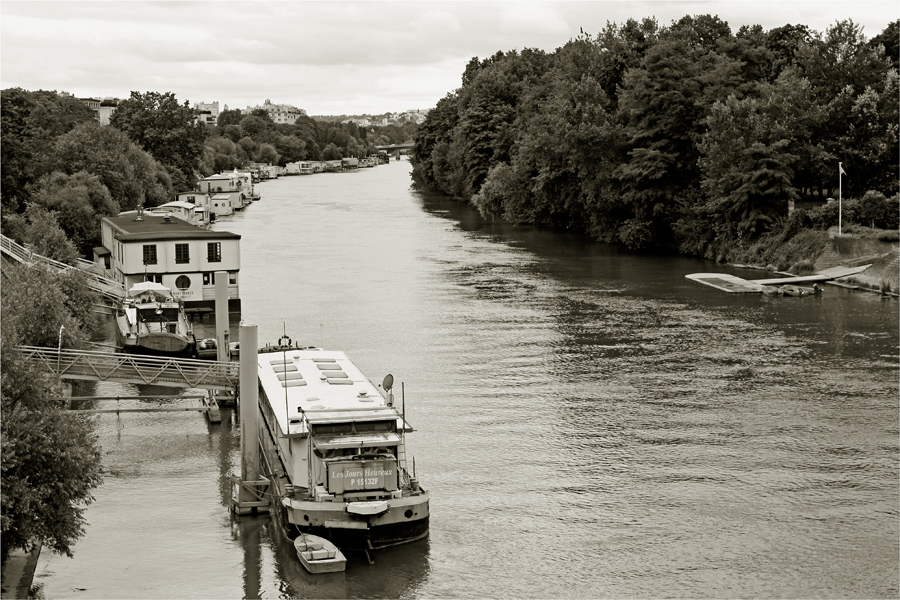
687, 138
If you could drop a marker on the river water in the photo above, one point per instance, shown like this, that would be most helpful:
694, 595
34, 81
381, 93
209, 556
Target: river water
590, 424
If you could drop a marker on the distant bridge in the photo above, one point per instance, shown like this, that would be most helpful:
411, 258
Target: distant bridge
109, 288
127, 368
395, 147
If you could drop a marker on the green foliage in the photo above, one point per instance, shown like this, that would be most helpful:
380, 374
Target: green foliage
872, 209
165, 129
889, 39
687, 136
51, 458
39, 229
331, 152
229, 117
825, 216
267, 154
79, 202
802, 267
30, 122
132, 176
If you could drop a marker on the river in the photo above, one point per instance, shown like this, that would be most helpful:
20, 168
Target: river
590, 424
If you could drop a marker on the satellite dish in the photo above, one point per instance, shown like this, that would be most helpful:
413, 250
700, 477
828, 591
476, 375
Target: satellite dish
388, 382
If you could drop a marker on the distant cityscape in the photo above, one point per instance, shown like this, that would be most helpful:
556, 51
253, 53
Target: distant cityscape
208, 113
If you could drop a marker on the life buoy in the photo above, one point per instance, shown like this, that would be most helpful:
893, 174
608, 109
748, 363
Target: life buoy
281, 341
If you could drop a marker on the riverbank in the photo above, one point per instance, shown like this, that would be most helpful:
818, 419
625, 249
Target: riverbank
18, 573
811, 251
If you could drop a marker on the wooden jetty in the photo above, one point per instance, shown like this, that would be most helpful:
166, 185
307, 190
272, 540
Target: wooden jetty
735, 285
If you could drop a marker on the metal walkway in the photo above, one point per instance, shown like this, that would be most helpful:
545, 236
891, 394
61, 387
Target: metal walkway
126, 368
109, 288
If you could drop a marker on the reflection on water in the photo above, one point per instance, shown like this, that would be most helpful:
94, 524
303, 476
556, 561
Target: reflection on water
589, 423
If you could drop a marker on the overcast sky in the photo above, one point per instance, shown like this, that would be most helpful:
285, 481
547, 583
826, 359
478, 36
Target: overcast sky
328, 57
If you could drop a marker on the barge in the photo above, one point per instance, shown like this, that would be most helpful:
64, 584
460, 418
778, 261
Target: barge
333, 445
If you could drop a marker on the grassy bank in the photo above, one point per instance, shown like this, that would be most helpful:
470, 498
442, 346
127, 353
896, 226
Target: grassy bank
811, 250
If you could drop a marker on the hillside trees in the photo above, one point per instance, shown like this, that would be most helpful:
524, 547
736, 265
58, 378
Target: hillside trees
681, 136
30, 122
165, 129
79, 201
663, 106
132, 176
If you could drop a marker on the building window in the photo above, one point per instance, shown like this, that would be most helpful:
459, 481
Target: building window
232, 278
151, 277
149, 254
214, 251
207, 279
182, 254
183, 282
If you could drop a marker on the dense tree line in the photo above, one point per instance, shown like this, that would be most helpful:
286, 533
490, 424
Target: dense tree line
60, 166
688, 136
239, 139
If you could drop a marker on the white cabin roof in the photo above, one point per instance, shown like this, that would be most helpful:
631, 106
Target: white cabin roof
326, 385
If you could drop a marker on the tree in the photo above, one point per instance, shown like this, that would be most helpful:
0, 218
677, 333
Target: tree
165, 129
256, 127
664, 105
229, 117
131, 175
869, 141
39, 229
890, 40
51, 457
31, 122
842, 58
267, 154
79, 201
331, 152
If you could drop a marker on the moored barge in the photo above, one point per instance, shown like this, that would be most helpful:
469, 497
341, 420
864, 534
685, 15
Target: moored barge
334, 446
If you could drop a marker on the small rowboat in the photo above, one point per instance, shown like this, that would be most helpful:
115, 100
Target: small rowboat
319, 555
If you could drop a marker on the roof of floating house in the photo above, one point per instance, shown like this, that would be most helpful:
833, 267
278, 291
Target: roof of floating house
155, 227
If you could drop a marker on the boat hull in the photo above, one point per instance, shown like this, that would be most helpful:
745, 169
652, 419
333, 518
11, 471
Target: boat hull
332, 521
157, 344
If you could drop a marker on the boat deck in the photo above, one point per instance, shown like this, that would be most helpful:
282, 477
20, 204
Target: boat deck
322, 385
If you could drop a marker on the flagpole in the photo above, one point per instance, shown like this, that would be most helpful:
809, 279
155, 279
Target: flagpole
840, 170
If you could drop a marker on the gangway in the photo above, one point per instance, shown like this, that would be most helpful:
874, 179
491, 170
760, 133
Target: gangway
91, 365
109, 288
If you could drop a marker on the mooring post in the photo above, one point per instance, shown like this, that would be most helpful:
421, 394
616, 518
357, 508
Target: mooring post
222, 351
244, 499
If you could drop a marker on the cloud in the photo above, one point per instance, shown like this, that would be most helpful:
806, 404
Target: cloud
363, 56
532, 19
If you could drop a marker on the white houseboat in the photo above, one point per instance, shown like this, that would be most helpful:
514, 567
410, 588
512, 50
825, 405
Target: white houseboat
186, 211
336, 445
143, 246
151, 321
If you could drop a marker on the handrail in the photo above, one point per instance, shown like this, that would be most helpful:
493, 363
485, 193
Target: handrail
105, 366
102, 284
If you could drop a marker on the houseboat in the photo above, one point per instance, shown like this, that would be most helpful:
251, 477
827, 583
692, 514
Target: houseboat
151, 321
335, 444
142, 246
